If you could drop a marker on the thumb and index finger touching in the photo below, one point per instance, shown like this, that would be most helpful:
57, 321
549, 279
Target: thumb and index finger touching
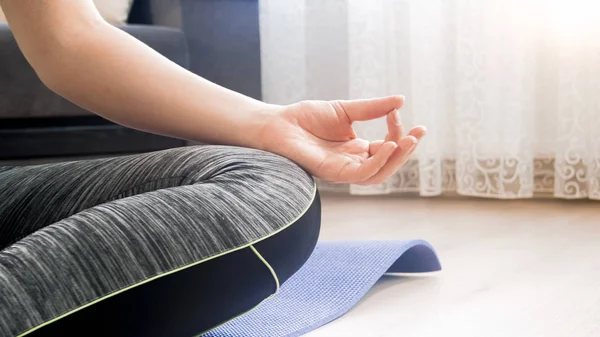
368, 109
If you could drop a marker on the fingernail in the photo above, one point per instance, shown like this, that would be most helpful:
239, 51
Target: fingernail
414, 140
397, 117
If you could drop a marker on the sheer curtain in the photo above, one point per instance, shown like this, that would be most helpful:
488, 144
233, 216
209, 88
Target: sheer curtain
509, 90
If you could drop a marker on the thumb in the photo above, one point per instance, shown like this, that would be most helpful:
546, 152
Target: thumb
367, 109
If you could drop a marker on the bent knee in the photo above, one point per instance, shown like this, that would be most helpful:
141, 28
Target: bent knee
209, 161
254, 173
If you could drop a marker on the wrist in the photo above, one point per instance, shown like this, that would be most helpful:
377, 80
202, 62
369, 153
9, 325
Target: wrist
258, 134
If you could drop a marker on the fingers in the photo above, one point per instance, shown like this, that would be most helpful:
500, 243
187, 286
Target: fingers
367, 109
371, 166
397, 159
395, 127
418, 132
374, 146
405, 147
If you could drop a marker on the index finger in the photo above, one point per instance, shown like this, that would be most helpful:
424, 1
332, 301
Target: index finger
367, 109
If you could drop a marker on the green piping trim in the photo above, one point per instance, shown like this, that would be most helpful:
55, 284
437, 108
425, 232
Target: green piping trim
259, 303
175, 270
260, 257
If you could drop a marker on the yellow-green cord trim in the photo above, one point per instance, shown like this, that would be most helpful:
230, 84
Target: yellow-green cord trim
268, 266
174, 270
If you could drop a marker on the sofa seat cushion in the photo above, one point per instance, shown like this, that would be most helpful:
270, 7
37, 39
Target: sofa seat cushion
23, 95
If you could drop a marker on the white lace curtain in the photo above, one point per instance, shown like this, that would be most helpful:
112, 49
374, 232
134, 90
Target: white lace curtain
508, 89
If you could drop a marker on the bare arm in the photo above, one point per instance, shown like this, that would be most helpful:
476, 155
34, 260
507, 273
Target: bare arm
101, 68
105, 70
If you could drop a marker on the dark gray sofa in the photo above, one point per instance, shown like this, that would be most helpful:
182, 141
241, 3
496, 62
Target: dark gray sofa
216, 39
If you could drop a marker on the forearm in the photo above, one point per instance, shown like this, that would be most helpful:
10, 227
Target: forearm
104, 70
116, 76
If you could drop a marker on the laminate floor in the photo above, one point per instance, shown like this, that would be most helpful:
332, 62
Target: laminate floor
510, 268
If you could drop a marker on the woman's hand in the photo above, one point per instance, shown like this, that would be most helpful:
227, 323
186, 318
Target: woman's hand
149, 92
318, 136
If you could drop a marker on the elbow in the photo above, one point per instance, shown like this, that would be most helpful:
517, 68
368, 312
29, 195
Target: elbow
48, 62
60, 71
47, 73
59, 61
50, 75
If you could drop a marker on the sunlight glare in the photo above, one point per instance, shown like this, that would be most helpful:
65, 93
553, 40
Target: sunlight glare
573, 18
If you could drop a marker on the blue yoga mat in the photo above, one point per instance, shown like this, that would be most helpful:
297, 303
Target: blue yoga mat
336, 276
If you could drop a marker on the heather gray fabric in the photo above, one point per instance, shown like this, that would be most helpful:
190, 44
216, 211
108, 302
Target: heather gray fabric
22, 94
73, 233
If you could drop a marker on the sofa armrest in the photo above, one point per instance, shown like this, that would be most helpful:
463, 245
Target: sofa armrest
224, 43
156, 12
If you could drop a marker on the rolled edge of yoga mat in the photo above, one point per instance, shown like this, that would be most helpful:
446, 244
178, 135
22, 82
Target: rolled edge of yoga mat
336, 276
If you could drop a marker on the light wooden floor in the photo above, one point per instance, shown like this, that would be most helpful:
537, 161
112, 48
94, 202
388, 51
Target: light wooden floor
526, 268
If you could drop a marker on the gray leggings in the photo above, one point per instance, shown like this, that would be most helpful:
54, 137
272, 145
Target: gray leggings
169, 243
